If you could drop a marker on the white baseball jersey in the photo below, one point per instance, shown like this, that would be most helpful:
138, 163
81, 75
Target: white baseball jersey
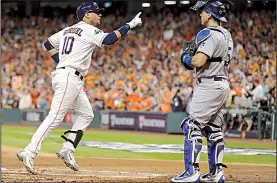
76, 45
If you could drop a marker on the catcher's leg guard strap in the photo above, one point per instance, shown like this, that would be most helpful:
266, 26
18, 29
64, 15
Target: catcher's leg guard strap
192, 145
79, 135
215, 147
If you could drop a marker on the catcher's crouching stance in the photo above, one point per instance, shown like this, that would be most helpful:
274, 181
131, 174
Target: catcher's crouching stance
72, 48
209, 54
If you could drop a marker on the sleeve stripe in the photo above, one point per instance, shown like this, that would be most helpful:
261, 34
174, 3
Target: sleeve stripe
52, 44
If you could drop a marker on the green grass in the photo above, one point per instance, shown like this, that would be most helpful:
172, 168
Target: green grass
18, 136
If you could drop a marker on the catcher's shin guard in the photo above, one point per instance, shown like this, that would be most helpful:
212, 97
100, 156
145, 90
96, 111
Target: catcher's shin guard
192, 145
215, 147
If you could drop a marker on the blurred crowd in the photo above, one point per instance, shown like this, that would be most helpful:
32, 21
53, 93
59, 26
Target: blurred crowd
141, 72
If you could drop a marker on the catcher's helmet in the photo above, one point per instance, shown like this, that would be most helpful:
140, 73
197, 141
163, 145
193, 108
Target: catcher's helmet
216, 8
87, 7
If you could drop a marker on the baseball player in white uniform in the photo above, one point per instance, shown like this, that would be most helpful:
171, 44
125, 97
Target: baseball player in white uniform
72, 49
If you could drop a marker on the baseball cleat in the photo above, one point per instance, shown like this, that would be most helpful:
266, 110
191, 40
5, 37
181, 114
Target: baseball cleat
28, 162
186, 177
218, 177
68, 158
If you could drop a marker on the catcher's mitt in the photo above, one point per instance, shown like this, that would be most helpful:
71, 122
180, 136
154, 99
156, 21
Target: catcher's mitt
188, 49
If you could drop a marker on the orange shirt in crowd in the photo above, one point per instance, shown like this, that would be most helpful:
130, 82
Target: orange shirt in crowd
238, 91
146, 103
34, 95
49, 99
166, 105
255, 67
135, 104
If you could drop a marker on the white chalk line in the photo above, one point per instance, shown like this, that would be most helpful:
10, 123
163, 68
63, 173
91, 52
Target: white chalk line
92, 173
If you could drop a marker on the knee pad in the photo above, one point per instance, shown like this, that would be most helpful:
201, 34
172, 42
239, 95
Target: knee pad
192, 145
215, 147
189, 124
78, 137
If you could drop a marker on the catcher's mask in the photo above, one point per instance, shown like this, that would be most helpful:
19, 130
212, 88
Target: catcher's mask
88, 7
216, 8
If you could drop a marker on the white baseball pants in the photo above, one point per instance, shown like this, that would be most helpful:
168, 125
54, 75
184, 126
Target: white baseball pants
68, 91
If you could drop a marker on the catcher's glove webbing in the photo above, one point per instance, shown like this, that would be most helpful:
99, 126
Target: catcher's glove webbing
189, 47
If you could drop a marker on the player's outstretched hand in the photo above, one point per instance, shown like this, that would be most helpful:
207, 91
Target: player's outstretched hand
136, 21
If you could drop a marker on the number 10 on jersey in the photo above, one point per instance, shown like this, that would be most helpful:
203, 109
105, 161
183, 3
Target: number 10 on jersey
67, 45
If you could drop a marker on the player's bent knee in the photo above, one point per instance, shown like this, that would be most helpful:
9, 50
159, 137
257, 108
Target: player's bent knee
91, 115
88, 115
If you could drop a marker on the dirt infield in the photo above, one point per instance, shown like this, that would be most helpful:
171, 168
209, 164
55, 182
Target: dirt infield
118, 170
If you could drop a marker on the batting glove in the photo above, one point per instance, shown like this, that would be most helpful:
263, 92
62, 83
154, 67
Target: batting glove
135, 22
